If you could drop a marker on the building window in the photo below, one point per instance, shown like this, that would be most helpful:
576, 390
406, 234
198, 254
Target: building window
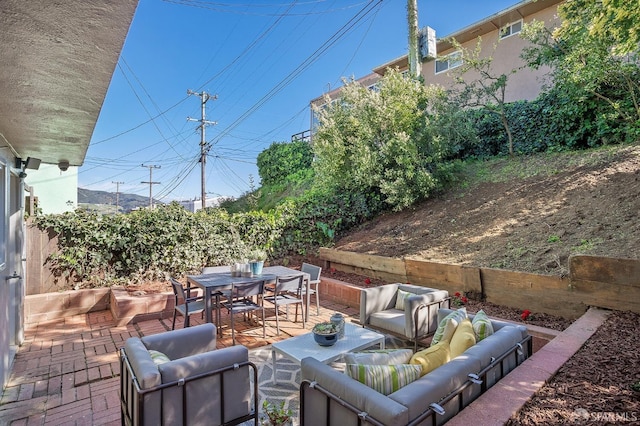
511, 29
374, 87
448, 62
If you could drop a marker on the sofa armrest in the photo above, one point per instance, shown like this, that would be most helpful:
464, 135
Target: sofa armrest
376, 299
421, 312
143, 368
183, 342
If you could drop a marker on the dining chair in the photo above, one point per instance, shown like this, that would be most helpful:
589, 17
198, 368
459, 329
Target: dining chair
191, 305
287, 291
314, 282
215, 269
241, 300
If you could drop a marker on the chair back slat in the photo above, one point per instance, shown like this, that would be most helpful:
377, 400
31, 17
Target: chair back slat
242, 290
291, 283
178, 290
313, 271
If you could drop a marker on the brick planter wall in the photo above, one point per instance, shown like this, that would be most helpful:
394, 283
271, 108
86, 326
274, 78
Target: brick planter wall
127, 309
49, 306
339, 292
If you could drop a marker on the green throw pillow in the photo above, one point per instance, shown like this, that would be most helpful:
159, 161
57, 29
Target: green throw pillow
158, 357
401, 297
482, 326
379, 357
456, 317
385, 379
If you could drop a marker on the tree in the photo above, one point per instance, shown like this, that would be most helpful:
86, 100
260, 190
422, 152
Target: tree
617, 21
487, 90
593, 57
283, 159
379, 141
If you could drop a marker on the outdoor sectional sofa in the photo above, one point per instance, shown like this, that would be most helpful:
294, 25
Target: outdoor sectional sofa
330, 397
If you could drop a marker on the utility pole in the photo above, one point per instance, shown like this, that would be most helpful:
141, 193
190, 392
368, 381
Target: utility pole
414, 52
151, 182
117, 195
204, 148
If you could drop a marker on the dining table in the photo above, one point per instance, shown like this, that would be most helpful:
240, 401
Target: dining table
214, 284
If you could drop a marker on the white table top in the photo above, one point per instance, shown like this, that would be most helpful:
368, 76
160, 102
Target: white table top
303, 346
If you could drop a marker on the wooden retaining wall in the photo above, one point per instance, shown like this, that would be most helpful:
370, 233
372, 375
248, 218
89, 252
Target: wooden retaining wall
593, 281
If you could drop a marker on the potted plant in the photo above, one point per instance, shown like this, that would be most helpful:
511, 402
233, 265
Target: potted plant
276, 414
325, 333
256, 260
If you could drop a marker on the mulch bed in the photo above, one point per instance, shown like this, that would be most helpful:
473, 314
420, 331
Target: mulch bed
594, 386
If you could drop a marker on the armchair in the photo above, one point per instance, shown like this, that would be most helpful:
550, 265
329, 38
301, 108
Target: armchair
197, 385
380, 309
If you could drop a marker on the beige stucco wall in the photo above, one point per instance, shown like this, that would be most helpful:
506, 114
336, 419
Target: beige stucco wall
526, 83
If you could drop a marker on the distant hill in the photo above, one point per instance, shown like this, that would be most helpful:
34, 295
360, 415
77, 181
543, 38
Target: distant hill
105, 202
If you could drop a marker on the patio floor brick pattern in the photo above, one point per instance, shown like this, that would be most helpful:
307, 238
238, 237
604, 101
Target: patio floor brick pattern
67, 371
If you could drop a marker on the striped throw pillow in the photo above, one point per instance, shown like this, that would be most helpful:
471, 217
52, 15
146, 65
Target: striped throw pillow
158, 357
456, 317
385, 379
379, 357
401, 296
482, 326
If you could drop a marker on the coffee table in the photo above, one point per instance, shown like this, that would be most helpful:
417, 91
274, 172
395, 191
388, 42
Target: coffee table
303, 346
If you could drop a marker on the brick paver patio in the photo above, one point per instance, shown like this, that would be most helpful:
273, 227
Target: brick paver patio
67, 371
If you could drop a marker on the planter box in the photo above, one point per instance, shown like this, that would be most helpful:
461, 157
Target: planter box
50, 306
127, 309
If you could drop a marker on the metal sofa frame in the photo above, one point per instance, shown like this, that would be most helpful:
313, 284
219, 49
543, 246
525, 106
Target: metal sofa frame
130, 390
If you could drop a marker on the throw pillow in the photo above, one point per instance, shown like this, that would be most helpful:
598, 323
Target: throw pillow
401, 296
482, 326
158, 357
379, 357
462, 339
456, 316
431, 358
385, 379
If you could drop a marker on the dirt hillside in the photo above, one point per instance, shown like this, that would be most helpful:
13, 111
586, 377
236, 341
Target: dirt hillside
528, 214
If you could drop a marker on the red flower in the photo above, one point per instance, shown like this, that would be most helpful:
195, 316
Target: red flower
464, 300
457, 294
367, 281
332, 270
525, 314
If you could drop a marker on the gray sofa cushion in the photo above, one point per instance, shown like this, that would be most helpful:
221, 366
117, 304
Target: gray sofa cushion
184, 341
377, 405
435, 385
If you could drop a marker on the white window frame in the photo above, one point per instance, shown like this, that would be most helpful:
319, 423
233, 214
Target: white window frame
509, 30
452, 60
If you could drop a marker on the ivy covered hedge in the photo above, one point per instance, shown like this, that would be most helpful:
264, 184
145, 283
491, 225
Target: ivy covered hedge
97, 250
149, 244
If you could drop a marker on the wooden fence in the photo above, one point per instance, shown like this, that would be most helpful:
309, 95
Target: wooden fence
39, 275
593, 281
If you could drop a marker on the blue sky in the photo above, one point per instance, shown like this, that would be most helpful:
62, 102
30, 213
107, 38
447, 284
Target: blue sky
265, 60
